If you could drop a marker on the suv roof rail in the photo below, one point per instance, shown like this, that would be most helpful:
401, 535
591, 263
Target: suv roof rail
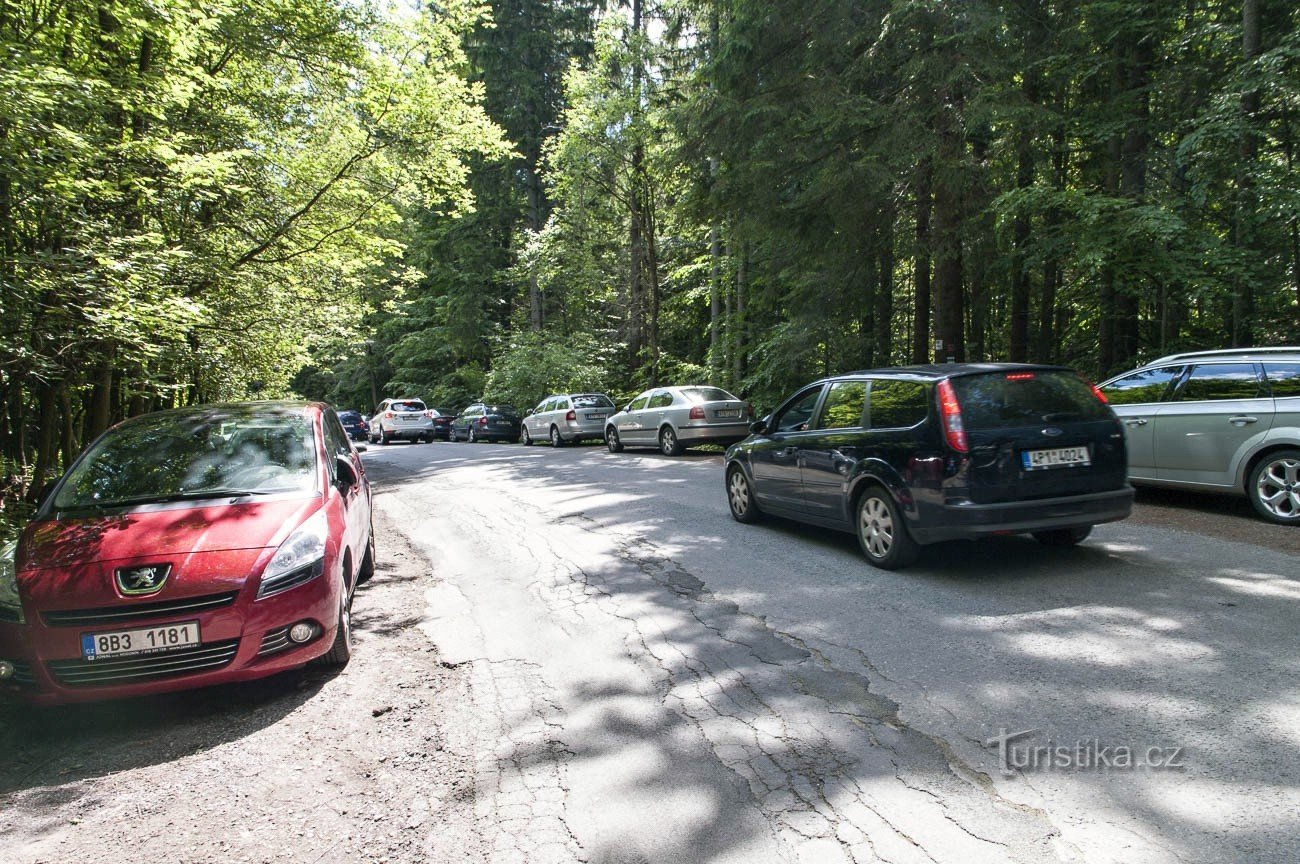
1224, 352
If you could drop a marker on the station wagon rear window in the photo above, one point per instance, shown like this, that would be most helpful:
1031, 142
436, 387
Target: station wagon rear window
1018, 398
406, 406
1283, 379
596, 401
707, 394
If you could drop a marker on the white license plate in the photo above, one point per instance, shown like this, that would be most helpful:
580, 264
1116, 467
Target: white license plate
1060, 457
727, 412
145, 640
596, 416
408, 416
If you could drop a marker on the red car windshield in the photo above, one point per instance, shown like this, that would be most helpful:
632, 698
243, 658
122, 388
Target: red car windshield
195, 454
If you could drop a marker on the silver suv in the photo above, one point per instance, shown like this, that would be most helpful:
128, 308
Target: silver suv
1216, 421
567, 417
401, 419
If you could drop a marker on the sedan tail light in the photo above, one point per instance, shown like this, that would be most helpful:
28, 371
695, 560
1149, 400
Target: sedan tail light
953, 428
482, 421
697, 412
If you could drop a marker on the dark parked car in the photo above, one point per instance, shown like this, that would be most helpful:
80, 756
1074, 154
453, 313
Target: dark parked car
914, 455
485, 421
185, 548
355, 425
441, 423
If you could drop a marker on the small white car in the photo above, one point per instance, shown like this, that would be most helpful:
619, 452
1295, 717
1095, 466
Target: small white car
401, 419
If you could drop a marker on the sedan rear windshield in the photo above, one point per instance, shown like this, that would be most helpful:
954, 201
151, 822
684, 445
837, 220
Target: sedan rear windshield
194, 455
707, 394
503, 410
596, 400
1028, 397
412, 405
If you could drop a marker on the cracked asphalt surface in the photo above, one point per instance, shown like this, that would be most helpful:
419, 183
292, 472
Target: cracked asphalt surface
569, 655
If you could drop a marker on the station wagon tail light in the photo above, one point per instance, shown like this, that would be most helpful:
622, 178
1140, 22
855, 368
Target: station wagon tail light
697, 412
1096, 391
571, 416
953, 428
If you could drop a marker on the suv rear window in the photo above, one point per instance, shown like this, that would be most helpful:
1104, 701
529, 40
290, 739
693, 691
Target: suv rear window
1017, 398
409, 405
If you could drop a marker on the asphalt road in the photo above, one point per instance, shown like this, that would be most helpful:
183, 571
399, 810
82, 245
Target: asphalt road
655, 682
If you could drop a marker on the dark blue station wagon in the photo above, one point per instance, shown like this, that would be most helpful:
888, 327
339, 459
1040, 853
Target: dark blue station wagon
908, 456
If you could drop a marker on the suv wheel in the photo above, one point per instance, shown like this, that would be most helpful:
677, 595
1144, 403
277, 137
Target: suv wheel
1063, 536
668, 443
881, 532
385, 437
1274, 487
612, 442
556, 440
740, 497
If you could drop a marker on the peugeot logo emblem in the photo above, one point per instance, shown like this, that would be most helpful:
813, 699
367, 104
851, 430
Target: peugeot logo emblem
1051, 431
148, 579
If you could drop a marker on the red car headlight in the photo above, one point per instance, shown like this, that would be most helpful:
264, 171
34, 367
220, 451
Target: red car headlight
300, 558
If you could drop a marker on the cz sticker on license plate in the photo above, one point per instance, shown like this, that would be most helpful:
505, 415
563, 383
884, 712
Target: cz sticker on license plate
145, 640
1059, 457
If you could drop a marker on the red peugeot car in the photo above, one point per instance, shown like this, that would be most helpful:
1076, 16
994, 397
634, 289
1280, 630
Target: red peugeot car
186, 548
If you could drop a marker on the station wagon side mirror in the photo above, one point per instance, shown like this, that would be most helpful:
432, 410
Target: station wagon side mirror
347, 473
758, 427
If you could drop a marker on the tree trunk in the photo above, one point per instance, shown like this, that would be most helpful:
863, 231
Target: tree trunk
883, 318
921, 276
1243, 295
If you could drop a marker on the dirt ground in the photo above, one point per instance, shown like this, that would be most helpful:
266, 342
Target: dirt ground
304, 767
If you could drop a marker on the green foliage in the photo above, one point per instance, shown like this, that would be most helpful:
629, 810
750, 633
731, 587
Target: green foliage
535, 364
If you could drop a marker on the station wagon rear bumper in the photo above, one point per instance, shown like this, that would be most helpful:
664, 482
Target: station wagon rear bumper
959, 521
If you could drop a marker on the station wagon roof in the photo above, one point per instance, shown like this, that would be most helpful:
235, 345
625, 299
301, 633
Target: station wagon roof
1226, 354
935, 371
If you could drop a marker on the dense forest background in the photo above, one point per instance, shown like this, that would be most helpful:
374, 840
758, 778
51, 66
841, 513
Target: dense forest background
339, 200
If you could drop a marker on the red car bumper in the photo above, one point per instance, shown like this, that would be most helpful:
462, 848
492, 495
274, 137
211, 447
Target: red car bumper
242, 638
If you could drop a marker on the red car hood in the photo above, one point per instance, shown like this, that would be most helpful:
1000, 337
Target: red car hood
167, 531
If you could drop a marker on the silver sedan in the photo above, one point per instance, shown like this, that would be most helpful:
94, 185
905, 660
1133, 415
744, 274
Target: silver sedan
675, 418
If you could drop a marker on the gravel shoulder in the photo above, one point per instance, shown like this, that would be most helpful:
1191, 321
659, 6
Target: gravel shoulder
306, 766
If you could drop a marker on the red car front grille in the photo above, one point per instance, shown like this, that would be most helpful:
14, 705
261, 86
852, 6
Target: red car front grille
90, 673
136, 611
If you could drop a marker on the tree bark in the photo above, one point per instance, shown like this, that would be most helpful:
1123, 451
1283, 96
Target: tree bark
921, 273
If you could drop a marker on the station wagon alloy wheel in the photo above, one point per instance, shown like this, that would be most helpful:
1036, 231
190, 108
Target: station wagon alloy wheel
556, 440
1275, 487
881, 532
743, 508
